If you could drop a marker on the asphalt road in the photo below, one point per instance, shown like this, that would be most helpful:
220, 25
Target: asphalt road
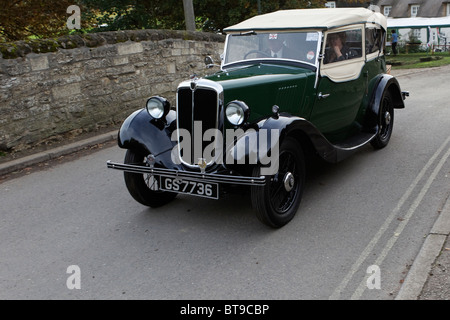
72, 231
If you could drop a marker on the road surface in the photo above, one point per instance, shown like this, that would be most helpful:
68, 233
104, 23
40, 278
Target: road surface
72, 231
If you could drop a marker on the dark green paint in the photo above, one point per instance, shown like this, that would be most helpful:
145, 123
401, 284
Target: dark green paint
261, 86
292, 88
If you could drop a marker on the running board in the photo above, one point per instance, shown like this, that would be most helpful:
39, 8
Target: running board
355, 142
347, 147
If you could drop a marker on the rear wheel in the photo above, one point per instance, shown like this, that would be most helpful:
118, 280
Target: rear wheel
144, 188
276, 202
385, 122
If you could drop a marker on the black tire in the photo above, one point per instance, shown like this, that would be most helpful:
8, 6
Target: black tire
277, 202
143, 187
385, 122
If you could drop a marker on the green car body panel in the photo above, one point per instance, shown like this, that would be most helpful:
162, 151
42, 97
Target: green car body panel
262, 86
293, 90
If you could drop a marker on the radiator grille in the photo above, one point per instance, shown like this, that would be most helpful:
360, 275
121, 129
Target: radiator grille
197, 111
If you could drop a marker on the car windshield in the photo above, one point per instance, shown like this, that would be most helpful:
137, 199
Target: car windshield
298, 46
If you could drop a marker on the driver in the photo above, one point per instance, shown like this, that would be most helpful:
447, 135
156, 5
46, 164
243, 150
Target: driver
277, 48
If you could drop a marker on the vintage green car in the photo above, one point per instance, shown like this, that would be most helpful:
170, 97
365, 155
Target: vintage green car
291, 83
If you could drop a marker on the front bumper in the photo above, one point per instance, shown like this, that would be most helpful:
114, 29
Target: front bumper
194, 176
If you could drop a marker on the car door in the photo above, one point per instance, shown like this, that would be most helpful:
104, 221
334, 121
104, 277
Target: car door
341, 85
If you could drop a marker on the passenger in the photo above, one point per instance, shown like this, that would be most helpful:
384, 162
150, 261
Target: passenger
337, 50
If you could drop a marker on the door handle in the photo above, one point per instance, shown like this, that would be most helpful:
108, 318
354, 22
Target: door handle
323, 96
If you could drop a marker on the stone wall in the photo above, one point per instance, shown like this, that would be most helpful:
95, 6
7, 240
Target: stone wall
53, 89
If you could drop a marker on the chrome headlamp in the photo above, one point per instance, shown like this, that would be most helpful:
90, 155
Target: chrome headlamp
237, 112
158, 107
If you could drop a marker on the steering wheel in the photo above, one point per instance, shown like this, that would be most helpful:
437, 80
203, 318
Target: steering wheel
256, 51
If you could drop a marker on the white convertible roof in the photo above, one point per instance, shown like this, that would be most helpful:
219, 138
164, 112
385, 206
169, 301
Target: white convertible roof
324, 18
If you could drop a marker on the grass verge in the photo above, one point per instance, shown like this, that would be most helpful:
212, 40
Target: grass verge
418, 60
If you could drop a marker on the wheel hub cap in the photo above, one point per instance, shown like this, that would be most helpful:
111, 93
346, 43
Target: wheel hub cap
288, 181
387, 118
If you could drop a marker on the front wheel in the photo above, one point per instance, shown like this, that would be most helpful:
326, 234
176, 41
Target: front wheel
276, 202
385, 122
144, 188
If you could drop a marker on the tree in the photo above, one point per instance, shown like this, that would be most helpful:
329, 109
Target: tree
135, 14
20, 19
38, 18
219, 14
189, 15
211, 15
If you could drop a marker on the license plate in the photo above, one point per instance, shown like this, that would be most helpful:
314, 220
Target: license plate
195, 188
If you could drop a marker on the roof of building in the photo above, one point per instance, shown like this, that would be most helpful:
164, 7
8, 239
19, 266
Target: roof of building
322, 18
401, 8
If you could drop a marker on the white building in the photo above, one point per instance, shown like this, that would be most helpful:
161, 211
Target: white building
429, 31
427, 21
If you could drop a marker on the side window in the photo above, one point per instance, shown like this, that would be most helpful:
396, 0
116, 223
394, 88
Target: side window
343, 45
374, 40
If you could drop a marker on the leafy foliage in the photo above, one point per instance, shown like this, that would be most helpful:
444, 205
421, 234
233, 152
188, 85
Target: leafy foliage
135, 14
215, 15
211, 15
21, 19
36, 18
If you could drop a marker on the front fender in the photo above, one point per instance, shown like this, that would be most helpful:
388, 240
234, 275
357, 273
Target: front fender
141, 133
